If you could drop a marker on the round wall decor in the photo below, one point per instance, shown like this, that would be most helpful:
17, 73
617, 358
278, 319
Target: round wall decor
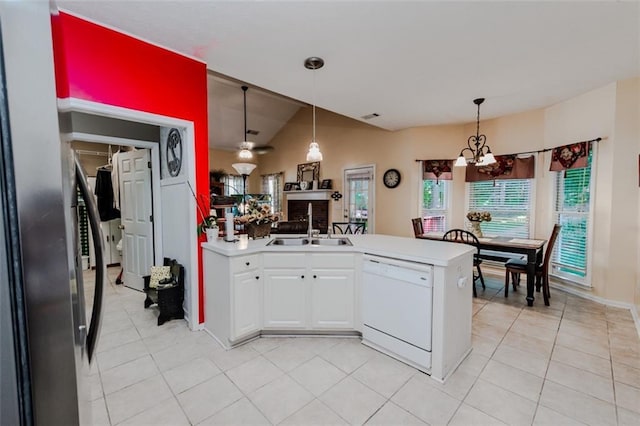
391, 178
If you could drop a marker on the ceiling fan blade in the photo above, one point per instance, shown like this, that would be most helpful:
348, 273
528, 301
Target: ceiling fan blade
263, 149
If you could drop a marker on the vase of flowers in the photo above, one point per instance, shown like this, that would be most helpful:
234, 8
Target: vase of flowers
475, 218
257, 219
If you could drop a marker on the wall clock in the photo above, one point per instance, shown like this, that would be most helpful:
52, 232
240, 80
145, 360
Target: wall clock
391, 178
173, 156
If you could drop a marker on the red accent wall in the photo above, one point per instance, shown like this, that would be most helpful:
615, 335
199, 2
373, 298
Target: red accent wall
101, 65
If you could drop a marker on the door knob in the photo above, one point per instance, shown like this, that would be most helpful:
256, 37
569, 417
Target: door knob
120, 226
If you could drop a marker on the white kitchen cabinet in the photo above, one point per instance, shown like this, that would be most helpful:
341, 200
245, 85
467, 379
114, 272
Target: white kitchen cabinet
247, 303
332, 290
319, 293
285, 298
332, 298
234, 301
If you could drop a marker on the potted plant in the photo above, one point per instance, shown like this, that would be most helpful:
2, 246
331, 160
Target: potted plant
208, 224
475, 217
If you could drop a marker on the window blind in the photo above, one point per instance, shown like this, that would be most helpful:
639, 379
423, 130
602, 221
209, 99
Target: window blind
233, 185
573, 212
508, 201
435, 200
272, 185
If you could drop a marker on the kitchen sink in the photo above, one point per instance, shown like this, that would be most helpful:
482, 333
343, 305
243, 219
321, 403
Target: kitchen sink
331, 242
288, 242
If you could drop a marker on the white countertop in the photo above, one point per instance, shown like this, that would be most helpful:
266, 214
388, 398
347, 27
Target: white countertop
438, 253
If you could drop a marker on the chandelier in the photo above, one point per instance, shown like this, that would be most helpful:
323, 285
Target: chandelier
245, 147
481, 155
314, 153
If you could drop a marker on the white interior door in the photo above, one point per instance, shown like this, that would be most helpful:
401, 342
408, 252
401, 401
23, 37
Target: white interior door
134, 178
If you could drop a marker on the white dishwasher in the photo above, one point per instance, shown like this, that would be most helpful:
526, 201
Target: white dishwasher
397, 304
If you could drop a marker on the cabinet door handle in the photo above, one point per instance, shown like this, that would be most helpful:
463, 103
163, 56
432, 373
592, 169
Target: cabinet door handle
315, 276
302, 276
247, 263
257, 277
107, 238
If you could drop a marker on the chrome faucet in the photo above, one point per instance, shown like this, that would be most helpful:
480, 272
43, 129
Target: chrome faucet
310, 218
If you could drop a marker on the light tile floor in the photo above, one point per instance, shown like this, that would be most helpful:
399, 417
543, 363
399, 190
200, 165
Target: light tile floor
575, 362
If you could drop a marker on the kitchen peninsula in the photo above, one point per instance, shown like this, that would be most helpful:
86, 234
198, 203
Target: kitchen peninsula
408, 298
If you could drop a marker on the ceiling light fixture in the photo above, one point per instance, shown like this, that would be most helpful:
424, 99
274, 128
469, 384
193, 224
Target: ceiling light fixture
245, 147
314, 63
481, 155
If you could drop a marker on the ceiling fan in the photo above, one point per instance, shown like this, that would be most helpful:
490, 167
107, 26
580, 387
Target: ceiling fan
248, 148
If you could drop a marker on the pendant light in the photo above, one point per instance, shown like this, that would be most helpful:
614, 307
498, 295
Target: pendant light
314, 63
245, 147
481, 155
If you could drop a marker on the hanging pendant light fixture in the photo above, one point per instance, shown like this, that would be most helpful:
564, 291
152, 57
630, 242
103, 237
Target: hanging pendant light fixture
314, 63
245, 147
481, 155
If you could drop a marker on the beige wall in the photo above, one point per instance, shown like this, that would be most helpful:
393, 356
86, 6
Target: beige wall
611, 112
219, 159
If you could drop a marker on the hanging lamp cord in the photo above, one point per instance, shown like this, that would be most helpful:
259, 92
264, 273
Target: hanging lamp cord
313, 139
244, 89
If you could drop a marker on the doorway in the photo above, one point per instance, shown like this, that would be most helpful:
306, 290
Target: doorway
121, 184
173, 209
359, 196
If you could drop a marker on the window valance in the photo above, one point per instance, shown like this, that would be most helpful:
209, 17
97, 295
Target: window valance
437, 169
505, 167
572, 156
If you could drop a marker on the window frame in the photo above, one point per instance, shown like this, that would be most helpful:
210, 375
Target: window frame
447, 204
584, 282
530, 209
277, 199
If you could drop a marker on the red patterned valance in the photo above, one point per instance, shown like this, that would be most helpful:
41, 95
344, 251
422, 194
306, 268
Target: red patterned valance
437, 169
505, 167
573, 156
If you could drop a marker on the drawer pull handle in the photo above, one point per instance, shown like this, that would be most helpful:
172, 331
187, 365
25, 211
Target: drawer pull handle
247, 263
315, 276
257, 277
302, 276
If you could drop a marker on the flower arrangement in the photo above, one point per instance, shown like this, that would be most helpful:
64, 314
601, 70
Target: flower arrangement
257, 213
475, 216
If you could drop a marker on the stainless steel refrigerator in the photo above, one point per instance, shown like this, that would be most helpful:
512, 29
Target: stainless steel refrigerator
47, 338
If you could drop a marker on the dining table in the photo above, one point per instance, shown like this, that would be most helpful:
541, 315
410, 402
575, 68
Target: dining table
531, 248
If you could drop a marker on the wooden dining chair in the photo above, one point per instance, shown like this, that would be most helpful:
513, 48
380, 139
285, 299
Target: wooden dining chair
418, 229
515, 267
349, 227
466, 237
